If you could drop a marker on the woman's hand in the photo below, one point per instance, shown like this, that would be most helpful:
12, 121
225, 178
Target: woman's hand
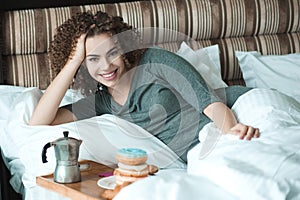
78, 54
225, 120
244, 131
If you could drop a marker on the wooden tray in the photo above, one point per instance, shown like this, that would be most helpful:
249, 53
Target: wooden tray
87, 189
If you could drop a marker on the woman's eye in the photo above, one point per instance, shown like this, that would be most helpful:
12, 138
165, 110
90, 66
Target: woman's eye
93, 59
113, 53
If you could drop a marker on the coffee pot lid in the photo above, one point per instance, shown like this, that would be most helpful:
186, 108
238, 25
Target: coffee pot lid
66, 140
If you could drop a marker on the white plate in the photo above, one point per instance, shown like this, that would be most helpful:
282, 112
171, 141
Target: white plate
107, 182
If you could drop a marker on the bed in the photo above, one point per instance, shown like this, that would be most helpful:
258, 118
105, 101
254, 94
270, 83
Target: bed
231, 42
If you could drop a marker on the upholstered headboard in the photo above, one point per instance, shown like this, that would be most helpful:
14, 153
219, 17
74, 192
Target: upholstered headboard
269, 26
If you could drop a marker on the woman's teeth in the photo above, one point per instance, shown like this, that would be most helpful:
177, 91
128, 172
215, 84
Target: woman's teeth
108, 75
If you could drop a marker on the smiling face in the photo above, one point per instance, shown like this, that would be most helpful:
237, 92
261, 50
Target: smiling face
104, 60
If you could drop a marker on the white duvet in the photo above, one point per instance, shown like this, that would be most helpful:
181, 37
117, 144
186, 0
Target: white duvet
220, 167
264, 168
224, 167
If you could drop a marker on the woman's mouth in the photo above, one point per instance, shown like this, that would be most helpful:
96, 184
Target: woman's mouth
110, 76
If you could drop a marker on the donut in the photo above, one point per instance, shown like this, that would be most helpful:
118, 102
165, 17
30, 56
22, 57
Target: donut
121, 179
132, 170
131, 156
131, 173
132, 167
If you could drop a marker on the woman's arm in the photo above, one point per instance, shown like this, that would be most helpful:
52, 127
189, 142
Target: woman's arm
225, 120
47, 111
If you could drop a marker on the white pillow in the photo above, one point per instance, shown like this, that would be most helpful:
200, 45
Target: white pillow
21, 102
8, 93
280, 72
206, 61
267, 109
24, 103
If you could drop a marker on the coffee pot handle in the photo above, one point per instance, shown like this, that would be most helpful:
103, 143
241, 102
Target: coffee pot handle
44, 151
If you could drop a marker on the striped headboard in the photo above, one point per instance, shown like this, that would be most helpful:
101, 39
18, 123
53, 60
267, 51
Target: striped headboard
269, 26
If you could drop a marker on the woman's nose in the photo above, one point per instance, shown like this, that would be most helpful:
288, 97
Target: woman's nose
105, 63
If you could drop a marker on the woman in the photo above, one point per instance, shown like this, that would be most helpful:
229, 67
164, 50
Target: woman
150, 87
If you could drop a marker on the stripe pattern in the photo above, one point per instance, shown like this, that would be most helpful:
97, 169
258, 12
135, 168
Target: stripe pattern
269, 26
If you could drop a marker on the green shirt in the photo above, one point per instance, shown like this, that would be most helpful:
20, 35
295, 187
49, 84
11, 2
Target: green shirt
167, 98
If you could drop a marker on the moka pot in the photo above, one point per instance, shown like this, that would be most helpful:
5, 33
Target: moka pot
66, 153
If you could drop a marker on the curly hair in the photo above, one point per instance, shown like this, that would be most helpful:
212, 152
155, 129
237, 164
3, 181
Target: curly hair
64, 43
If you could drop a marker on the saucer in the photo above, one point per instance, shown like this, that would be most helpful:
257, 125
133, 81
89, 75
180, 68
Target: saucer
107, 182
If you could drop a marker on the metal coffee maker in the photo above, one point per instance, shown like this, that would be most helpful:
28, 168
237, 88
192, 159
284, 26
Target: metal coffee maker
66, 153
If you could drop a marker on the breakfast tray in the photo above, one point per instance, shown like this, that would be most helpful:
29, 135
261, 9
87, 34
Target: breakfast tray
86, 189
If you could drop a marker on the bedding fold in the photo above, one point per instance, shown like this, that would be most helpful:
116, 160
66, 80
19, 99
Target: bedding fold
263, 168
